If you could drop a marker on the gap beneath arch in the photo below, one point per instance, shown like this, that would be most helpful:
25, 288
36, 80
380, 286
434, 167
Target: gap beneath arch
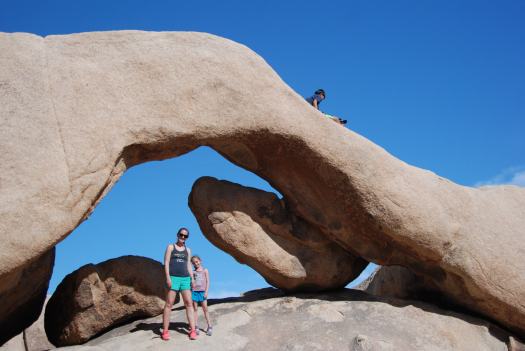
143, 211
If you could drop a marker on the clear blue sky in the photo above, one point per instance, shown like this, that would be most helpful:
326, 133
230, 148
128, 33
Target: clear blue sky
439, 84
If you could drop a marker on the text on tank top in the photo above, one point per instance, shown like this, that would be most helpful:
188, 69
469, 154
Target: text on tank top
179, 263
200, 280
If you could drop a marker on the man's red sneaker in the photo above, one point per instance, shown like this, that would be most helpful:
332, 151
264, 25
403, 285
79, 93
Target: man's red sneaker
193, 335
165, 335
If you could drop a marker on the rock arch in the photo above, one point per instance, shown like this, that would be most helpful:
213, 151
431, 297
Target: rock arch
78, 110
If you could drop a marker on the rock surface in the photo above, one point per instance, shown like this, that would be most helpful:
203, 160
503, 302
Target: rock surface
95, 298
78, 110
255, 227
14, 344
35, 335
346, 320
21, 307
33, 338
395, 281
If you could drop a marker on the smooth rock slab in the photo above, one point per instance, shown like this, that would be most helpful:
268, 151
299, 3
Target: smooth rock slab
347, 320
96, 298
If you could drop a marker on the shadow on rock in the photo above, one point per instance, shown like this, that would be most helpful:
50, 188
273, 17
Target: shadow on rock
179, 327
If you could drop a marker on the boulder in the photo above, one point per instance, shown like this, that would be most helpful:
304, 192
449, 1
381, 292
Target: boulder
21, 307
78, 110
342, 320
95, 298
255, 227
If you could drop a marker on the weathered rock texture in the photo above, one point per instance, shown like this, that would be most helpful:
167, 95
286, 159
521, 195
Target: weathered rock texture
95, 298
346, 320
78, 110
256, 228
20, 307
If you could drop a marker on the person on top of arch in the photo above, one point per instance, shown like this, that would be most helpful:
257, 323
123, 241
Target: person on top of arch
316, 99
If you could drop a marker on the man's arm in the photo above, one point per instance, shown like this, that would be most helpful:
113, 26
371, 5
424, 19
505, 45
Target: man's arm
314, 103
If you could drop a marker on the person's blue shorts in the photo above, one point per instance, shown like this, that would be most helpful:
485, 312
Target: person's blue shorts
198, 296
180, 283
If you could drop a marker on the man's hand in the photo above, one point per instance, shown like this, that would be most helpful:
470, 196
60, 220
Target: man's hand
168, 283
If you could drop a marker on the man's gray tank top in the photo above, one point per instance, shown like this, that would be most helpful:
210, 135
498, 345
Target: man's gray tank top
179, 263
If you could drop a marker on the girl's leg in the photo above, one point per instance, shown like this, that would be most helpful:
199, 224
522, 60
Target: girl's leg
170, 298
188, 303
204, 305
196, 314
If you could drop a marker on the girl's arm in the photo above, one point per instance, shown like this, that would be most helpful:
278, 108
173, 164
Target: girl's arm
167, 257
207, 275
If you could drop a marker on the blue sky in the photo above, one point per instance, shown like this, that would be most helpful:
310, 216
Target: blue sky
439, 84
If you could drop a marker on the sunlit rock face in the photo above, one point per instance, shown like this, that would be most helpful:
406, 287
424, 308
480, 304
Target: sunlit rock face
78, 110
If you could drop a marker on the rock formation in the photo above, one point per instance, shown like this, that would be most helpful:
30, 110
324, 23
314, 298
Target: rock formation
255, 227
95, 298
20, 307
344, 320
78, 110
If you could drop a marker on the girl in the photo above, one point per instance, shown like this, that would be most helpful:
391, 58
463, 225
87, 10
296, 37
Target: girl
201, 278
177, 268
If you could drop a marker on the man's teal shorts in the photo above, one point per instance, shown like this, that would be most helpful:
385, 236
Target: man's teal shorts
180, 283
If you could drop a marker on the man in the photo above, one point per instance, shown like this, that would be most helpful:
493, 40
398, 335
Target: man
316, 99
